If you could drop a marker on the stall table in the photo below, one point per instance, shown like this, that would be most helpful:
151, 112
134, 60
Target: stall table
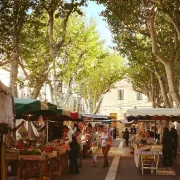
39, 166
156, 149
60, 164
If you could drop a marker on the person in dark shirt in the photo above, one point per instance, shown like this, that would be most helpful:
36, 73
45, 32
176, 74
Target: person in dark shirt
126, 136
73, 155
167, 147
175, 141
133, 130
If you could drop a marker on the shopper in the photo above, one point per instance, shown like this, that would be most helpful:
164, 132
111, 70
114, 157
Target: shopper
73, 156
94, 149
67, 135
106, 143
126, 137
175, 141
167, 143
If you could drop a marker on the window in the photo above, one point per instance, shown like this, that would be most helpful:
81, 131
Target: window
139, 96
121, 94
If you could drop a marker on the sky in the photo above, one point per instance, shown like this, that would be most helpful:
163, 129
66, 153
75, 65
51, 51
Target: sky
92, 11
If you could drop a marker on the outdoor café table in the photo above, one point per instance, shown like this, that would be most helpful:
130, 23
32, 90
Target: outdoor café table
44, 164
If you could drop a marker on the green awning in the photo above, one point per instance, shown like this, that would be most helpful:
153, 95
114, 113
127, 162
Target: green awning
59, 111
26, 106
34, 107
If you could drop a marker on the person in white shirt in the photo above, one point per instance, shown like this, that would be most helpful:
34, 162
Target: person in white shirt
106, 143
67, 135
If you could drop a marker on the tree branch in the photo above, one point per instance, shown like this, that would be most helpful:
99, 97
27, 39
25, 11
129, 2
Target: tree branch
47, 71
155, 48
6, 69
24, 71
4, 63
175, 24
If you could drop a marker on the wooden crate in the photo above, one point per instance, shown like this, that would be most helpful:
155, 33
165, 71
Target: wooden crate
41, 157
11, 156
31, 157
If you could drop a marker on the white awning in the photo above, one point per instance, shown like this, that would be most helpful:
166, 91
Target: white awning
153, 112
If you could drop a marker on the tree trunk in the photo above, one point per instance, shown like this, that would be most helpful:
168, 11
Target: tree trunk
36, 90
98, 104
38, 85
60, 94
152, 91
163, 92
171, 100
87, 105
90, 103
54, 82
68, 94
167, 64
51, 91
78, 104
173, 90
14, 62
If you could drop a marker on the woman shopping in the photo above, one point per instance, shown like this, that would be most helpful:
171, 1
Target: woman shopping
106, 143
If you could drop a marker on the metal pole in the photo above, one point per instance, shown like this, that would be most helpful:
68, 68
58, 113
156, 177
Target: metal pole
54, 78
47, 131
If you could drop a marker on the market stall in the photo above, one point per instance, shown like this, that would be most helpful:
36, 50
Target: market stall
148, 141
34, 157
6, 121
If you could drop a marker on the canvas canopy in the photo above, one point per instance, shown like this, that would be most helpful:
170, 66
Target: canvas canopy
6, 106
94, 116
34, 107
153, 114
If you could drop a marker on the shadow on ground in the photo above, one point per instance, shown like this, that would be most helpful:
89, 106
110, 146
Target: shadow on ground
127, 170
87, 172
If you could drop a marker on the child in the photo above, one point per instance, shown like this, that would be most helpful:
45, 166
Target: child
94, 149
73, 155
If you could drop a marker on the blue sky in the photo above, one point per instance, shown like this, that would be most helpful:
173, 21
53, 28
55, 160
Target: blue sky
92, 11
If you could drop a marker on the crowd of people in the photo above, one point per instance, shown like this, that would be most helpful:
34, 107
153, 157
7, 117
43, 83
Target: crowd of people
87, 139
95, 138
170, 145
169, 141
101, 138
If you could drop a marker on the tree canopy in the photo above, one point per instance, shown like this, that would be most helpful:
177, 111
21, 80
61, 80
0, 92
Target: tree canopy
57, 47
148, 31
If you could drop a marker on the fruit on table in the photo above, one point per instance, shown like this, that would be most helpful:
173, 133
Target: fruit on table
48, 148
30, 152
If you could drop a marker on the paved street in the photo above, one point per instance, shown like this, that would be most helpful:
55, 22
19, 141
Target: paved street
122, 167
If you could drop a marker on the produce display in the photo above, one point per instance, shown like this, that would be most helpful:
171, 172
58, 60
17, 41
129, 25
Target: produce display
30, 152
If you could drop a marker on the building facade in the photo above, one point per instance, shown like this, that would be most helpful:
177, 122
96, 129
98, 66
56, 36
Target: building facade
119, 99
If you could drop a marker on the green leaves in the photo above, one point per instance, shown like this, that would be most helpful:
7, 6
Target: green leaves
131, 25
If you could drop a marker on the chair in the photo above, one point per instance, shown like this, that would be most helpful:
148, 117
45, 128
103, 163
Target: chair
149, 160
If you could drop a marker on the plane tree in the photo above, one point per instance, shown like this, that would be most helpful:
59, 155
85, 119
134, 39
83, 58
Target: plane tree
155, 20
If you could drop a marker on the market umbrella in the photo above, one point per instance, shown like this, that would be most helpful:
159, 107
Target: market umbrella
33, 107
